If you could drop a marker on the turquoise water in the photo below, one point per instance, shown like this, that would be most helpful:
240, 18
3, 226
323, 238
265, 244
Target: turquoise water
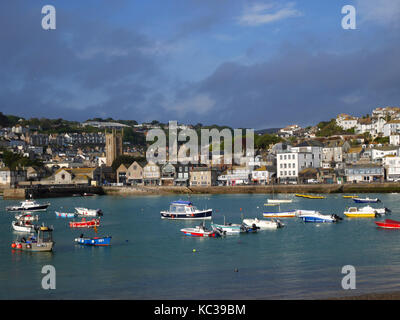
151, 259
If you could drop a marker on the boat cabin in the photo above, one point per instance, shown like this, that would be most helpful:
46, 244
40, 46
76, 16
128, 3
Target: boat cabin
182, 207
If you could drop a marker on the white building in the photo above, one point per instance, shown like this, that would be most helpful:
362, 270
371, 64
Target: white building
378, 153
392, 165
391, 127
394, 139
346, 122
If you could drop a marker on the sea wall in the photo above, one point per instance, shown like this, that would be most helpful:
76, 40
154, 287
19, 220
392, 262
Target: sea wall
49, 192
306, 188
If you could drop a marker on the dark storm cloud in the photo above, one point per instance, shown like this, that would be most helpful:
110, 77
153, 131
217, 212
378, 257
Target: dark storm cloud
300, 87
82, 69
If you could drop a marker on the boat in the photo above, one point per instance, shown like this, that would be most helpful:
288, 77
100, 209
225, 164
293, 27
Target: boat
65, 214
279, 201
307, 196
366, 200
318, 217
94, 241
184, 210
280, 214
388, 224
87, 194
85, 223
263, 224
29, 205
41, 240
364, 212
23, 226
201, 231
89, 212
229, 228
26, 217
350, 197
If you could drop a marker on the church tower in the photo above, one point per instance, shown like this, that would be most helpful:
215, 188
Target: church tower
113, 146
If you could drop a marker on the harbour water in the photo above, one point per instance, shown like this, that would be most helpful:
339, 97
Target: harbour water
151, 259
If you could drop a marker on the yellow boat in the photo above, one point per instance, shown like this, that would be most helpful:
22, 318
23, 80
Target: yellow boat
366, 212
307, 196
350, 197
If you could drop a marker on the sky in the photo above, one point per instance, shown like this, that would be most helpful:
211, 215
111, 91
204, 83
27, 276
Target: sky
242, 63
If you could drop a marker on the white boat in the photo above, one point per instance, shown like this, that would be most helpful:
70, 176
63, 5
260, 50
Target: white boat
263, 224
318, 217
364, 212
29, 205
184, 210
201, 231
21, 226
280, 200
89, 212
26, 217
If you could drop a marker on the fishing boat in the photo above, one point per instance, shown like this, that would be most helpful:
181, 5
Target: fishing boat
201, 231
184, 210
23, 226
41, 240
89, 212
263, 224
65, 214
29, 205
365, 212
388, 224
85, 223
26, 217
307, 196
366, 200
94, 241
318, 217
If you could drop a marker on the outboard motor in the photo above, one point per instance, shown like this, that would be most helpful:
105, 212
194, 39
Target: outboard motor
388, 210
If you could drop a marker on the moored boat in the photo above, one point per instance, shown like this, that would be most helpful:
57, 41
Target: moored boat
279, 201
65, 214
23, 226
201, 231
184, 210
388, 224
307, 196
29, 205
40, 241
263, 224
85, 223
364, 212
366, 200
94, 241
280, 214
88, 212
319, 218
26, 217
350, 197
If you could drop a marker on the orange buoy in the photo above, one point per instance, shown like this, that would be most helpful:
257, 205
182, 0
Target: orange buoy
13, 245
19, 246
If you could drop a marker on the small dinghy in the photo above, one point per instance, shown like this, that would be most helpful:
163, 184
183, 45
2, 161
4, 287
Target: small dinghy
85, 223
89, 212
94, 241
65, 214
23, 226
26, 217
366, 200
201, 231
263, 224
388, 224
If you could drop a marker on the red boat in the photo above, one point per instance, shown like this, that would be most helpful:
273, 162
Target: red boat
388, 224
85, 224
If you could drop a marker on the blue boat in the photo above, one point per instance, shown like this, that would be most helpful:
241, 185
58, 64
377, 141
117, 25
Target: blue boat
319, 218
366, 200
95, 241
65, 215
